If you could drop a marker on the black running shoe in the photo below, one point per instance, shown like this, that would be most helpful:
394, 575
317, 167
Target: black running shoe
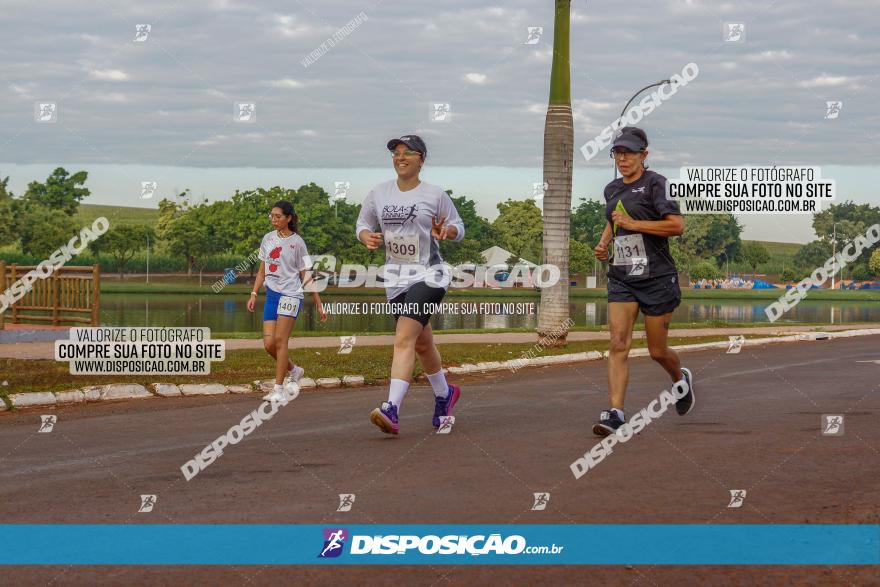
608, 423
686, 404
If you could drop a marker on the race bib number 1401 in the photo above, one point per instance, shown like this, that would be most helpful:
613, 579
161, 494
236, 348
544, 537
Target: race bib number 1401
289, 306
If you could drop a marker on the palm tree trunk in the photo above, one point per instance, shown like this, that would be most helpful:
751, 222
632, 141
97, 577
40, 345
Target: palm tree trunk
553, 321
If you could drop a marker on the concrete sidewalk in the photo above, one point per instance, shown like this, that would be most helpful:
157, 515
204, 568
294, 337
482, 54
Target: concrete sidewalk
46, 350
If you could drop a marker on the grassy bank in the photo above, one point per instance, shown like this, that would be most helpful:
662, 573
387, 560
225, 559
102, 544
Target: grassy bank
639, 327
137, 286
244, 366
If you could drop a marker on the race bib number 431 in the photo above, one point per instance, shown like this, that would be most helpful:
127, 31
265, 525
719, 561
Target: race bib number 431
289, 306
404, 247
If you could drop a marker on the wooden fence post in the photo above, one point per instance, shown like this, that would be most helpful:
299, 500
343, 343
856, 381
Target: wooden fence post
55, 299
2, 289
12, 280
96, 295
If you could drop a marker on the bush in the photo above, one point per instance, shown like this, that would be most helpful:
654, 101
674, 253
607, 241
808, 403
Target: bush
705, 270
789, 275
861, 272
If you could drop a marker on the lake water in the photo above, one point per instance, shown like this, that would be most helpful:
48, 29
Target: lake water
229, 313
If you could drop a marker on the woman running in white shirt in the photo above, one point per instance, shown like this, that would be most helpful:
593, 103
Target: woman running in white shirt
285, 268
411, 216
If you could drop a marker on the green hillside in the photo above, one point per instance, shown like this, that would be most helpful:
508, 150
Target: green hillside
117, 215
779, 249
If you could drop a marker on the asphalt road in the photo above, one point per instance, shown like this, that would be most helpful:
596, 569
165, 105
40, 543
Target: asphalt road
756, 426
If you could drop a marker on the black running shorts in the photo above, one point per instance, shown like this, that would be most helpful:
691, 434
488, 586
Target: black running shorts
418, 298
656, 296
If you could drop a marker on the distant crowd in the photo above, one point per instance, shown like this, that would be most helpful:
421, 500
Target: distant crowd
728, 283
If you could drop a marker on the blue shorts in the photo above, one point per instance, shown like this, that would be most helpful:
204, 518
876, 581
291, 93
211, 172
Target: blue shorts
270, 310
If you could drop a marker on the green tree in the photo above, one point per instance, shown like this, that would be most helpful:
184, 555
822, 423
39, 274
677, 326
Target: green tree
580, 257
122, 242
40, 229
588, 221
874, 263
520, 228
705, 270
188, 232
8, 213
711, 236
479, 234
754, 254
61, 191
812, 255
847, 221
683, 261
851, 219
558, 164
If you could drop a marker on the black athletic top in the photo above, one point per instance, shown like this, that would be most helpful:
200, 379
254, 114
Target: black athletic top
644, 199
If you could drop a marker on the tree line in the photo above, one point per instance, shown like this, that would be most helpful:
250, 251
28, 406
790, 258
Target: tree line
197, 232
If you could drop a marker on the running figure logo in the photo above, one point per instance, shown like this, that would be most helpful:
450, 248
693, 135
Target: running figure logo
736, 344
440, 112
534, 35
346, 344
47, 423
148, 188
141, 32
832, 424
541, 500
735, 32
640, 190
46, 112
346, 500
398, 216
147, 503
538, 190
638, 266
446, 423
340, 189
246, 112
832, 109
334, 541
737, 497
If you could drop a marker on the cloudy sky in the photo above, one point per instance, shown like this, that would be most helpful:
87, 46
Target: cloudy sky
164, 109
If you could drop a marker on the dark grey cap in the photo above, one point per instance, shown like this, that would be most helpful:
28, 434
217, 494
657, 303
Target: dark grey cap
414, 142
632, 138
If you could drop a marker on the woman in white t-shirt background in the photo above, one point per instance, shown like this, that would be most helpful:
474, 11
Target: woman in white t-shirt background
285, 269
411, 217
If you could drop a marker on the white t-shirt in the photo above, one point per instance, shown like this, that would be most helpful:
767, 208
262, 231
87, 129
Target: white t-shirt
284, 259
404, 219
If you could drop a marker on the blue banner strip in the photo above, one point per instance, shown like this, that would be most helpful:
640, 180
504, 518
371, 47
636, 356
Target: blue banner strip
526, 544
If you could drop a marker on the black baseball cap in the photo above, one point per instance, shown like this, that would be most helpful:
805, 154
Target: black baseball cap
632, 138
414, 142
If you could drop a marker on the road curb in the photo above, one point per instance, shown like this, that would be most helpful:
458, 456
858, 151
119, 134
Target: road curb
123, 391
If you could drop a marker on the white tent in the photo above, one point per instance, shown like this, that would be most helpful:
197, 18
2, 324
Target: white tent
499, 256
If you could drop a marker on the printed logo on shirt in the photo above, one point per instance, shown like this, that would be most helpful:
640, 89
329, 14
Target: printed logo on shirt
640, 190
399, 215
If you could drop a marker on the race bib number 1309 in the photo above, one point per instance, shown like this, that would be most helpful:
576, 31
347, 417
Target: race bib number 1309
404, 247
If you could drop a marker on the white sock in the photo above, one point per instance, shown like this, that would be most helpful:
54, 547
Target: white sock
278, 388
396, 391
438, 382
619, 413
